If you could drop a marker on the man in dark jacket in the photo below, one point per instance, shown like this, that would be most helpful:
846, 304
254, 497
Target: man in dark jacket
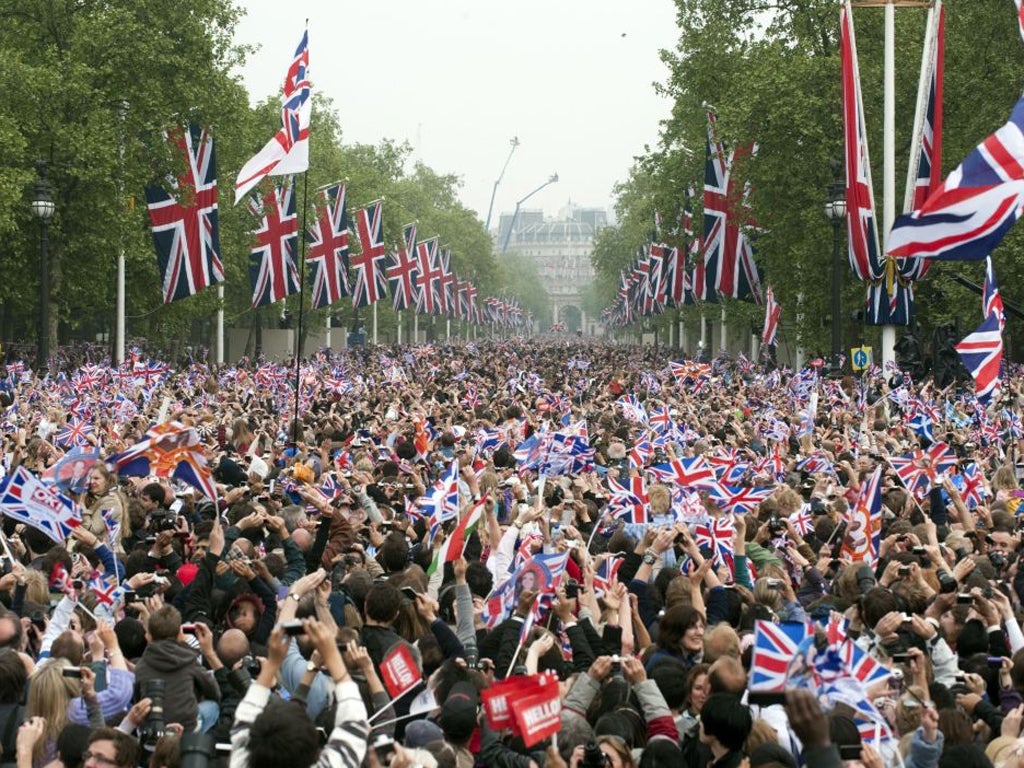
167, 658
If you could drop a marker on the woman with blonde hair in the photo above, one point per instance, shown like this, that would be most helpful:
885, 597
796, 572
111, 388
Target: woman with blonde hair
102, 495
49, 694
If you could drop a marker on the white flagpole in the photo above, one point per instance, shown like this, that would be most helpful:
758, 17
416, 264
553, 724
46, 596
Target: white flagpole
220, 323
375, 323
327, 331
119, 333
399, 327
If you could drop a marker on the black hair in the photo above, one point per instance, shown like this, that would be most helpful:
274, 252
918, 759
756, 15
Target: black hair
964, 756
394, 552
382, 602
671, 678
282, 736
727, 719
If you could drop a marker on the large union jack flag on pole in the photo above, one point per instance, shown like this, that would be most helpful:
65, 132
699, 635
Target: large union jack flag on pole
403, 270
371, 281
288, 152
184, 220
328, 247
728, 256
974, 208
860, 197
428, 276
772, 316
272, 270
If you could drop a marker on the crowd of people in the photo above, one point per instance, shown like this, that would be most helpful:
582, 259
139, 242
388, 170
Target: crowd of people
613, 523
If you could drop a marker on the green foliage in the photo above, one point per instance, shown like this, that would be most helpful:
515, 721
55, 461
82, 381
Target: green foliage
69, 67
772, 71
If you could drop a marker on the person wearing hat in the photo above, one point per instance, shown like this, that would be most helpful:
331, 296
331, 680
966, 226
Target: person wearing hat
458, 721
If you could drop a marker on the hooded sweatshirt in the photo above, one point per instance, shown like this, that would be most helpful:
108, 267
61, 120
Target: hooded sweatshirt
176, 664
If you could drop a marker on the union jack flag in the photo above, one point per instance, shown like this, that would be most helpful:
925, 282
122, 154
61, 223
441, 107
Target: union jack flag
328, 247
641, 453
716, 536
775, 647
982, 353
632, 409
1020, 16
169, 450
772, 316
802, 520
371, 281
428, 276
974, 208
739, 499
920, 469
864, 522
864, 252
629, 501
606, 574
61, 581
184, 221
26, 499
972, 483
106, 590
403, 271
272, 270
728, 255
992, 301
660, 419
75, 432
446, 280
288, 151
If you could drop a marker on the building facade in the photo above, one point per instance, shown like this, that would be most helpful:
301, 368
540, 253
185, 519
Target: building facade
561, 248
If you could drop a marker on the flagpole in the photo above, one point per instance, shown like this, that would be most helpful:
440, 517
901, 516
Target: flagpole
302, 296
399, 327
889, 160
375, 323
219, 359
415, 327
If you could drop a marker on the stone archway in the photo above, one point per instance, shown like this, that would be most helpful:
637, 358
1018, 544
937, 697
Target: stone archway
572, 317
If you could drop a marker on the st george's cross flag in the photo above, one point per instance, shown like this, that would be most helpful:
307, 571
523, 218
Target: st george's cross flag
288, 152
183, 218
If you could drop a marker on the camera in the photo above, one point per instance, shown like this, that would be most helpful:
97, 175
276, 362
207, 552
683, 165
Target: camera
773, 583
163, 521
593, 757
197, 750
252, 665
904, 570
39, 621
572, 589
947, 583
776, 527
154, 726
998, 560
384, 747
964, 598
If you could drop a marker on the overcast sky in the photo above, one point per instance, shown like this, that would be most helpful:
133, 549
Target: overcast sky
459, 78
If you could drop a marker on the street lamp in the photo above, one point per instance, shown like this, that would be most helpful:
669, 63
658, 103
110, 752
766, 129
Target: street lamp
835, 211
512, 224
43, 208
